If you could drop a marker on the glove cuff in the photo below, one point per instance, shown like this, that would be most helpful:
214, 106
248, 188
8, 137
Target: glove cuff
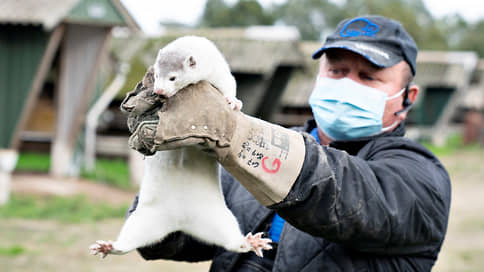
265, 158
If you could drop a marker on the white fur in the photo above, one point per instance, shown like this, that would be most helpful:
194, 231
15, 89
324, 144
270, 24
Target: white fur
210, 66
180, 191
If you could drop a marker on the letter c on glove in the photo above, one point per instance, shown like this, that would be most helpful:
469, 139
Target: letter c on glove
276, 164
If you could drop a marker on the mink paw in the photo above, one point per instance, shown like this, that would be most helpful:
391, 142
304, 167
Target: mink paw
234, 103
102, 248
257, 243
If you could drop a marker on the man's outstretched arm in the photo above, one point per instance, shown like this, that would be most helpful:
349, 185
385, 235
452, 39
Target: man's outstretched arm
397, 200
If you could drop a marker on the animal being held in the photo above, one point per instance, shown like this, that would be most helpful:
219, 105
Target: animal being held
180, 189
190, 59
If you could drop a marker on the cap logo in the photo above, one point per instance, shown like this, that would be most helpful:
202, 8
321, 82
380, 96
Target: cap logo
359, 27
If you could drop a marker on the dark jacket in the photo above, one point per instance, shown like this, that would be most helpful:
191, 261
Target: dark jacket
376, 204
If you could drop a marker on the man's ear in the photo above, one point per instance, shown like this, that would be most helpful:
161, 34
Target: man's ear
413, 92
411, 96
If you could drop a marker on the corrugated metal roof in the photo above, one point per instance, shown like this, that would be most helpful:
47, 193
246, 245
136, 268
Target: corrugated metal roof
302, 82
96, 12
128, 18
248, 54
259, 57
445, 68
38, 12
49, 13
244, 54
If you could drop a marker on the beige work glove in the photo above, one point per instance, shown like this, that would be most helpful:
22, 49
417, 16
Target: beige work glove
265, 158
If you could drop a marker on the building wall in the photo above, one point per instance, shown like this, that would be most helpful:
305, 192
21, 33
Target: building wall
21, 50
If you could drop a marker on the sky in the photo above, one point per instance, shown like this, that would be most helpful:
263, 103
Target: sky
149, 13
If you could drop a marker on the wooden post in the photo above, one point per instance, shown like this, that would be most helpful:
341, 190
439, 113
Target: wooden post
8, 161
83, 50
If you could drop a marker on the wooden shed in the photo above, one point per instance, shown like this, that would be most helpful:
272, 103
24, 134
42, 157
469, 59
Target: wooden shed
444, 79
50, 55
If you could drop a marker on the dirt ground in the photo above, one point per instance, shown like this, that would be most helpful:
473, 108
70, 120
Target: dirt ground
463, 249
55, 246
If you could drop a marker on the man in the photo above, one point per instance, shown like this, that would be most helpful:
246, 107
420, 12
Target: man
347, 192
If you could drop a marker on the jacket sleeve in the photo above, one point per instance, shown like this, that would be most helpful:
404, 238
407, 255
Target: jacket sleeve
395, 200
176, 246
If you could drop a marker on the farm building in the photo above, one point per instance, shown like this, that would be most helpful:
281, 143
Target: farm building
51, 54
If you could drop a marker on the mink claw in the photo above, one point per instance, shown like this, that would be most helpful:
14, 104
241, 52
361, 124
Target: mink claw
257, 243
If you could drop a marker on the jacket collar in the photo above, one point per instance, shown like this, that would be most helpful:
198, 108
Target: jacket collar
353, 146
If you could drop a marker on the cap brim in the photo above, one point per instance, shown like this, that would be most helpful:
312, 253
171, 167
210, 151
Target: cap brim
378, 56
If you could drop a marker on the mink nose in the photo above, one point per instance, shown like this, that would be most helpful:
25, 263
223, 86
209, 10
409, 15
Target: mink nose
160, 92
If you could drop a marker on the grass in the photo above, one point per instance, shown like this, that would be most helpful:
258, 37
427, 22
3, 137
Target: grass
75, 209
452, 145
113, 172
33, 162
12, 251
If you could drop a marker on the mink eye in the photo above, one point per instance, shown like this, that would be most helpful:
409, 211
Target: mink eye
172, 78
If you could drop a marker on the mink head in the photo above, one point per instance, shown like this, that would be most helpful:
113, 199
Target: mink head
173, 70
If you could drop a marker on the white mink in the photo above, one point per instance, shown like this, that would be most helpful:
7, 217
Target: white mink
188, 60
180, 191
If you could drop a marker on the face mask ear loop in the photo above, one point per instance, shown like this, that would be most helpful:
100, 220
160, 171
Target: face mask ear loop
385, 129
407, 104
398, 94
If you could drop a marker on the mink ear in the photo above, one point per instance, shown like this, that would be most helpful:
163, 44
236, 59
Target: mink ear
191, 62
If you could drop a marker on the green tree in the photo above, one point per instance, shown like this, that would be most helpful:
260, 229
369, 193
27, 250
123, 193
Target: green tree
455, 28
249, 12
243, 13
314, 18
311, 17
216, 13
472, 39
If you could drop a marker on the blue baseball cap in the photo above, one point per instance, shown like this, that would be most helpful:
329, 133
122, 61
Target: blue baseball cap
382, 41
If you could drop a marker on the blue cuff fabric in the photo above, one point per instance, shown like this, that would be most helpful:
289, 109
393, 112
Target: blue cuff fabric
315, 135
277, 221
276, 228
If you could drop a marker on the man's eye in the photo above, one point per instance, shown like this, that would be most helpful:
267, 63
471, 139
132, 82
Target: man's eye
335, 71
366, 77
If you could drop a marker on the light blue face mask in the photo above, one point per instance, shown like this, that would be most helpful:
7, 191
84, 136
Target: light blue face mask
345, 109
